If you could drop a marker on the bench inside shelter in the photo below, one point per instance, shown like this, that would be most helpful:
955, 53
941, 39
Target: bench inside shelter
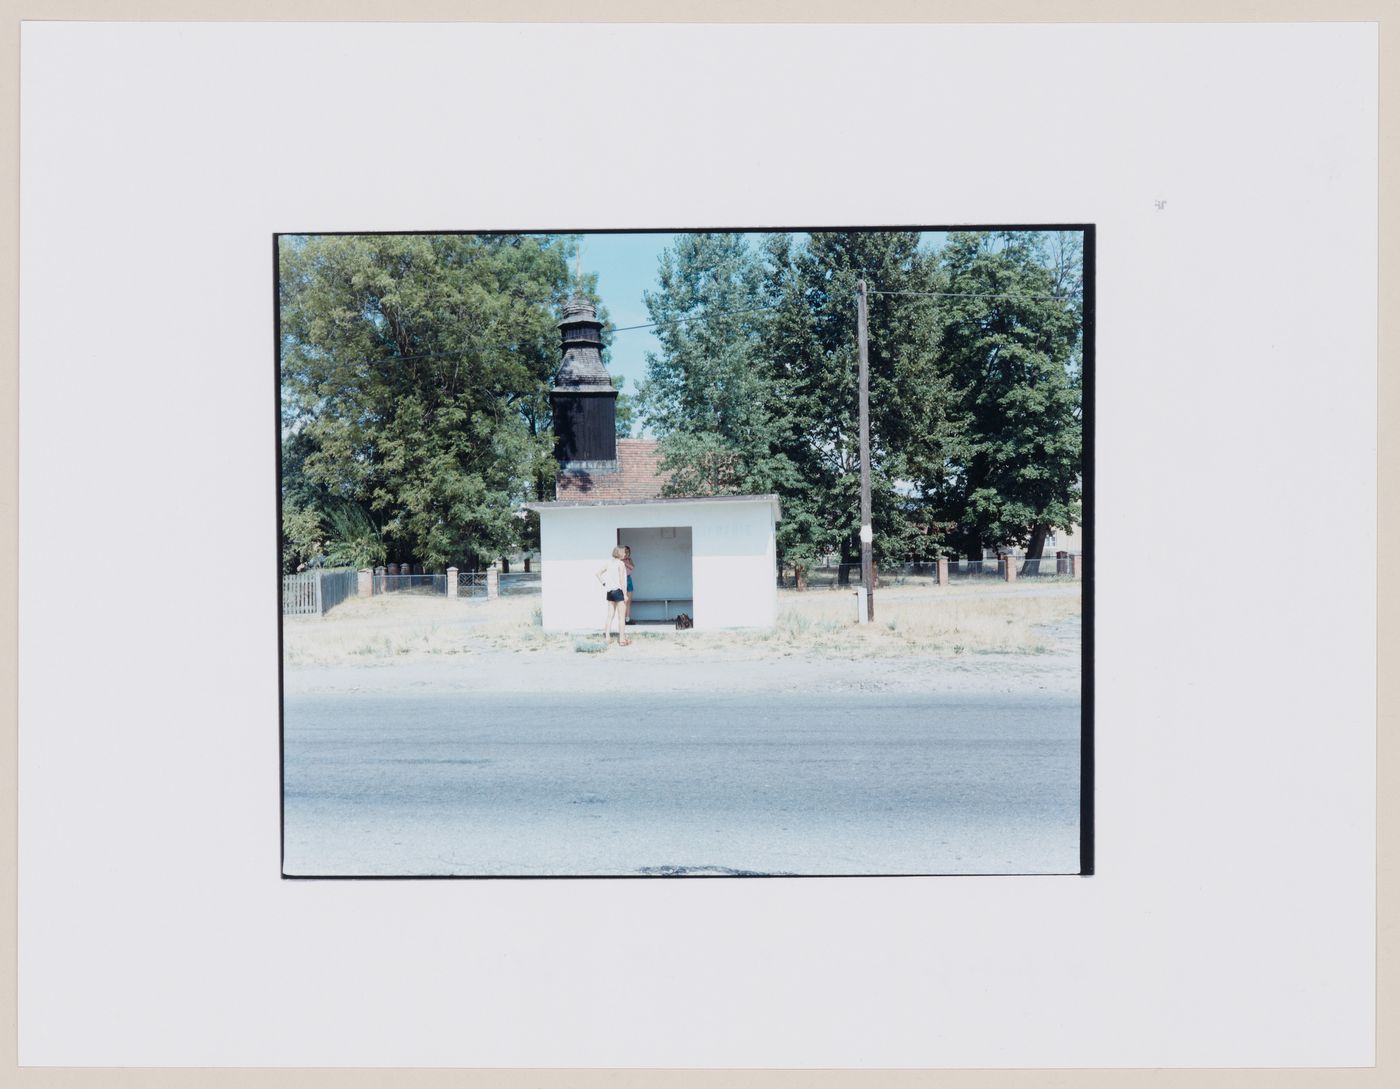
660, 610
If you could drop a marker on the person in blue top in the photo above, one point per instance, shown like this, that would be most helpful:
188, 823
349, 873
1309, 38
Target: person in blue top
627, 562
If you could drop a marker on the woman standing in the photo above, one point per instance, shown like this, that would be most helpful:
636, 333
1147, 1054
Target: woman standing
627, 562
613, 576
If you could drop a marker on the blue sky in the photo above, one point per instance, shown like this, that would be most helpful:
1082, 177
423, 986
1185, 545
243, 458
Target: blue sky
626, 265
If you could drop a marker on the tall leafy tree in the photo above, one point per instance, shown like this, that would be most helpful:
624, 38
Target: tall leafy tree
415, 374
1011, 343
811, 339
755, 389
709, 391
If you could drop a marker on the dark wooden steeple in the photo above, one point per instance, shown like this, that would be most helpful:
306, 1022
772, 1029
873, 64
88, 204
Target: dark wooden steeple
583, 398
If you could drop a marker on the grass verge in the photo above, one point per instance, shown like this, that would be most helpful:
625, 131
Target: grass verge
989, 618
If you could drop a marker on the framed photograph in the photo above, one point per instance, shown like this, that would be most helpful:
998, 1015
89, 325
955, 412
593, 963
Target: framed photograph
349, 353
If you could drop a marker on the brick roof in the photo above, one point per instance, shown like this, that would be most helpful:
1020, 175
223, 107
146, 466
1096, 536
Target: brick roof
637, 476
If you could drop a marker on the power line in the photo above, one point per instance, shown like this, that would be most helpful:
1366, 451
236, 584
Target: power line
518, 344
968, 295
697, 317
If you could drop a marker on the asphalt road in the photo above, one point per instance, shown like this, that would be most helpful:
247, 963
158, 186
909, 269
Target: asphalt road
802, 783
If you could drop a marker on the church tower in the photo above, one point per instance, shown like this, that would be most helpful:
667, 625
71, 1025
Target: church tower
583, 398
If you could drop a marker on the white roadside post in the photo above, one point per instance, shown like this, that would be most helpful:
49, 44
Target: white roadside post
452, 582
864, 607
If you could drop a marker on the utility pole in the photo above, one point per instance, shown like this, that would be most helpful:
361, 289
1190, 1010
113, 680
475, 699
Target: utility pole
867, 534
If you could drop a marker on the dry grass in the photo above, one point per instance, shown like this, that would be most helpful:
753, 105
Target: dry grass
912, 621
383, 628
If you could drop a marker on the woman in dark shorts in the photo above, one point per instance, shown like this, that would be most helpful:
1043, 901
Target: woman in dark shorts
613, 576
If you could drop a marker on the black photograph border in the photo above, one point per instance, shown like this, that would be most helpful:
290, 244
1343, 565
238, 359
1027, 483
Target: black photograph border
1088, 501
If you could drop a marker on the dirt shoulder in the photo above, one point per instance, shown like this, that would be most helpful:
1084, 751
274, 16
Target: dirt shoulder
509, 671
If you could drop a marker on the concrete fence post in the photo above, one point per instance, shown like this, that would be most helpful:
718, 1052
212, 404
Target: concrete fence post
452, 582
364, 582
1076, 566
1008, 568
1062, 563
527, 564
942, 570
493, 582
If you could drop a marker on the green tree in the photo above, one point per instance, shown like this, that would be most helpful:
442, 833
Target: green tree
1011, 342
354, 540
755, 388
811, 340
301, 536
708, 392
626, 402
415, 375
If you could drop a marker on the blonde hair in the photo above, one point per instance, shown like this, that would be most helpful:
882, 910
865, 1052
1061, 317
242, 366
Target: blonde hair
617, 553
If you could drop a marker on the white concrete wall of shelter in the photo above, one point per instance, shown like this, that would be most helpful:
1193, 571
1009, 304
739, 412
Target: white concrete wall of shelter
734, 573
735, 567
